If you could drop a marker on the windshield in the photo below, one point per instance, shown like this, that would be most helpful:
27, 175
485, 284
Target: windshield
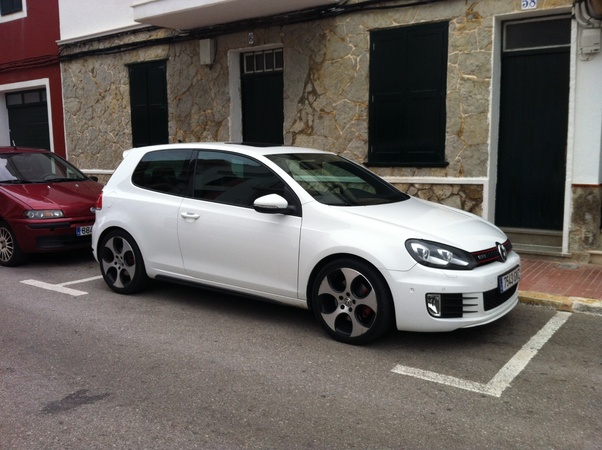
336, 181
17, 168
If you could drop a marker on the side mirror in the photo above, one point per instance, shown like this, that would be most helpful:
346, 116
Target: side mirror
272, 204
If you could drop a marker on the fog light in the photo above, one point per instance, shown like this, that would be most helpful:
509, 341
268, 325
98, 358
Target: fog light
433, 304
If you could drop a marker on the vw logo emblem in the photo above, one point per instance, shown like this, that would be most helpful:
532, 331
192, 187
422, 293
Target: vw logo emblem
502, 251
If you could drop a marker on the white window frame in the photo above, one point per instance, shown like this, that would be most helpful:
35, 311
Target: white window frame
15, 16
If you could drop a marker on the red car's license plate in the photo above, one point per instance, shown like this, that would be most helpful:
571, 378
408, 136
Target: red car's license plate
83, 231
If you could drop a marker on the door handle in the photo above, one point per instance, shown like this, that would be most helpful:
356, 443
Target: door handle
190, 215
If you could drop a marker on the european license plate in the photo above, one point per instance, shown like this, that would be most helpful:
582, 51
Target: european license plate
83, 231
509, 279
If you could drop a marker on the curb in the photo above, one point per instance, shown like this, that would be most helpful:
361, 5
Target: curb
561, 303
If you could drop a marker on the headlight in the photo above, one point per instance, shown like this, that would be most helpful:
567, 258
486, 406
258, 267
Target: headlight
440, 256
43, 214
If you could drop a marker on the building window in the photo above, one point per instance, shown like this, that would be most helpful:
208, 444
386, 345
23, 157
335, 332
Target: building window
34, 97
148, 99
265, 61
10, 6
408, 78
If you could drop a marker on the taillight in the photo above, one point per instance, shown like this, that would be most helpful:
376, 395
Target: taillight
98, 205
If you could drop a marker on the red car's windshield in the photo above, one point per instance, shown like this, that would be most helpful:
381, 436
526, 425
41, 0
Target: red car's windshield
16, 168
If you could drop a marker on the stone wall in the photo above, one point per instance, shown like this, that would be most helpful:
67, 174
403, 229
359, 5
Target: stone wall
468, 197
326, 87
585, 223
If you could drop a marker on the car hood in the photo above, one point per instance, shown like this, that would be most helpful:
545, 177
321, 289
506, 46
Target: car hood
421, 219
75, 198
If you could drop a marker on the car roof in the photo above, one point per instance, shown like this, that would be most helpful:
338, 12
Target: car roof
242, 148
6, 149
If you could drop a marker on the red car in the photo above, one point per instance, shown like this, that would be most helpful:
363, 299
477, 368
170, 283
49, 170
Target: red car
45, 204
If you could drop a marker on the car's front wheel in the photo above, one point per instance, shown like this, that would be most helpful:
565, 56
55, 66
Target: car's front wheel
352, 301
10, 252
121, 263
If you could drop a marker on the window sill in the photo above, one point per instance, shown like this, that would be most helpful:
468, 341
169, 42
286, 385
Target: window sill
402, 164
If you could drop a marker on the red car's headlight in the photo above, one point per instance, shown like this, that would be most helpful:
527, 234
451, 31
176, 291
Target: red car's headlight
43, 214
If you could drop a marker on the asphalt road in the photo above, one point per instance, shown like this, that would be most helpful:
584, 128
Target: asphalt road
177, 368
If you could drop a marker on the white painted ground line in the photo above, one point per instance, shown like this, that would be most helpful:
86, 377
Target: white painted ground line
506, 375
61, 287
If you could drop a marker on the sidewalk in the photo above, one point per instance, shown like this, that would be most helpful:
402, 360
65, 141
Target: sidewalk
567, 286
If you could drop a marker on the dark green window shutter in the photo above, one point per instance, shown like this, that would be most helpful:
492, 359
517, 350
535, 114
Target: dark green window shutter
10, 7
408, 78
148, 100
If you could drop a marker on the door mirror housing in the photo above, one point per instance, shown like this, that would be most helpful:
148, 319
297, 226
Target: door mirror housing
273, 204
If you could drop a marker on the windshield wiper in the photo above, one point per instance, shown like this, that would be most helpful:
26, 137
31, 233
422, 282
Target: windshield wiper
15, 181
56, 180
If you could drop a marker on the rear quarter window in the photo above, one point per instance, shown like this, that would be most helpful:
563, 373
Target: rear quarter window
163, 171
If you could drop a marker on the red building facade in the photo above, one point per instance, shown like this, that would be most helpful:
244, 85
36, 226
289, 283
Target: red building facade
31, 106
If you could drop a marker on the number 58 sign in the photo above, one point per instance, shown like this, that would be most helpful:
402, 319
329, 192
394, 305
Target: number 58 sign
528, 4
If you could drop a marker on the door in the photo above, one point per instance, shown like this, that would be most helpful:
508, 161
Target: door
262, 86
28, 118
533, 124
228, 244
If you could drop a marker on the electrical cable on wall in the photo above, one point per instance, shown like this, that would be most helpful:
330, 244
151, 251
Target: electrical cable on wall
69, 52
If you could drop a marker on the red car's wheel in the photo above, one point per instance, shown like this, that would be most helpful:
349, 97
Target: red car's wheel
10, 252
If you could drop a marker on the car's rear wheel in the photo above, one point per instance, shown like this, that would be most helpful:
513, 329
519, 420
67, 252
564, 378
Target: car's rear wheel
10, 252
352, 301
121, 263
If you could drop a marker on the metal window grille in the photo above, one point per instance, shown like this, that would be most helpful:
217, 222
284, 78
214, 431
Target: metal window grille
264, 61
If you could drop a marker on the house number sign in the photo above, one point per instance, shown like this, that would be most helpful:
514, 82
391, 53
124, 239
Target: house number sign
528, 4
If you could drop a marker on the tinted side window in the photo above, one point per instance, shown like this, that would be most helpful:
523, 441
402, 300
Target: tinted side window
233, 179
164, 171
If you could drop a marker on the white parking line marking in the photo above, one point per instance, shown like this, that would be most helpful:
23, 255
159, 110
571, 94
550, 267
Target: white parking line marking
61, 287
83, 280
506, 375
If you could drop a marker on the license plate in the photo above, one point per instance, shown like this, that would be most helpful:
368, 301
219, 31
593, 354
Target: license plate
509, 279
83, 231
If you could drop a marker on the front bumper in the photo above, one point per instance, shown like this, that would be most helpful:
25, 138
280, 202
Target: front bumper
475, 294
52, 235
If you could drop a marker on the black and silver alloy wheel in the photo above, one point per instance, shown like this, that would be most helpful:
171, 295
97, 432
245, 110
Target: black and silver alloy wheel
10, 252
352, 301
121, 263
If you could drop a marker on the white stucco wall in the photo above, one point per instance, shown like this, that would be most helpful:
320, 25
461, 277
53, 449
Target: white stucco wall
87, 18
587, 159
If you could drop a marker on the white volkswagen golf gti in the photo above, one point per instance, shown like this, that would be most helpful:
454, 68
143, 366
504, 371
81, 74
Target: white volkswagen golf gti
303, 227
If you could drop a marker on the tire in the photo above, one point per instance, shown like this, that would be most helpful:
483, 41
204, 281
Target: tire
121, 263
10, 252
352, 301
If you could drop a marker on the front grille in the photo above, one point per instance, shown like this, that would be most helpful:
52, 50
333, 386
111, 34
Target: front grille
454, 306
492, 299
490, 255
63, 241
